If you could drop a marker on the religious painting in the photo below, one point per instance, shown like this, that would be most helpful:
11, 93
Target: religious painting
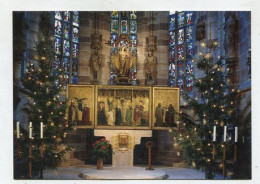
166, 106
81, 105
125, 107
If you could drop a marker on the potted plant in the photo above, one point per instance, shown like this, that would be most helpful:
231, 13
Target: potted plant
101, 152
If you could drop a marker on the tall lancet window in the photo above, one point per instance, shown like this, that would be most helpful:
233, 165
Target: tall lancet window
181, 50
66, 39
123, 47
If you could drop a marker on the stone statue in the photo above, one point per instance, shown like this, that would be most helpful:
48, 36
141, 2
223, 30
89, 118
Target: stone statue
96, 58
151, 62
95, 63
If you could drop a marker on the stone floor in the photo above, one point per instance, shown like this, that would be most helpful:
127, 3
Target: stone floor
81, 172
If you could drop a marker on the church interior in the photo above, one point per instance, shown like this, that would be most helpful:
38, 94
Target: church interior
157, 91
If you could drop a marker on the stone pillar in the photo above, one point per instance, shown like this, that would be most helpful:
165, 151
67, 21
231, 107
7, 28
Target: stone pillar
123, 143
84, 47
162, 48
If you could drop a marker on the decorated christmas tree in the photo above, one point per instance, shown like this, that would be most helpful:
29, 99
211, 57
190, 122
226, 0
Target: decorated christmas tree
43, 87
216, 104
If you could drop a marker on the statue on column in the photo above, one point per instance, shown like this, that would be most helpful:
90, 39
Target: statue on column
151, 62
96, 58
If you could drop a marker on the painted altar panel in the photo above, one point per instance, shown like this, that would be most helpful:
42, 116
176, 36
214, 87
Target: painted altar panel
81, 105
166, 106
123, 107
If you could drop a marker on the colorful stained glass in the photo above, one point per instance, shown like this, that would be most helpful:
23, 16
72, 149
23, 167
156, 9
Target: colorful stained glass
133, 15
114, 14
113, 40
180, 19
124, 15
66, 31
133, 40
180, 36
189, 52
181, 83
133, 27
58, 27
189, 18
66, 16
189, 67
172, 38
66, 48
58, 15
75, 50
180, 68
189, 34
189, 83
124, 27
180, 52
172, 56
172, 22
66, 65
172, 70
114, 26
56, 63
75, 34
57, 45
75, 18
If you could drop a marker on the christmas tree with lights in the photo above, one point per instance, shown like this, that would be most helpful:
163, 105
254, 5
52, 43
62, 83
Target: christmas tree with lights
216, 104
43, 87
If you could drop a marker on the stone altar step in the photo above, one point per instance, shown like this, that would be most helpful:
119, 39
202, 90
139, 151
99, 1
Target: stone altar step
123, 173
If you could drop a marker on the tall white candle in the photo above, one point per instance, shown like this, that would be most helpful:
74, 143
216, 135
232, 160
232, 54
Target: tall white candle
225, 133
214, 133
41, 130
30, 130
236, 131
18, 129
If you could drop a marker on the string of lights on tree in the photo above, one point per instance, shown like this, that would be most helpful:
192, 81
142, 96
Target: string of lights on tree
46, 111
215, 106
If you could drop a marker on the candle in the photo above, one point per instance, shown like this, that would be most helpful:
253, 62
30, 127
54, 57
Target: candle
30, 130
18, 129
214, 133
225, 133
41, 130
236, 134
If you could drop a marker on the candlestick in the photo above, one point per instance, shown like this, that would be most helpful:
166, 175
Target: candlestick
41, 130
236, 131
18, 129
225, 133
214, 133
30, 130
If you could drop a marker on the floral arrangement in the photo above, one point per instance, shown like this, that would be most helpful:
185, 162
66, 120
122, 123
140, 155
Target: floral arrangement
102, 149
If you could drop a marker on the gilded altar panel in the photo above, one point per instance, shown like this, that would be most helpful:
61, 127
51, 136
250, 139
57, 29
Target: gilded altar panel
123, 107
81, 105
166, 106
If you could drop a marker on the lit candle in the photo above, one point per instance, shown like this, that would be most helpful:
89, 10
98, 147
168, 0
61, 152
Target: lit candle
225, 133
30, 130
214, 133
41, 130
236, 131
18, 129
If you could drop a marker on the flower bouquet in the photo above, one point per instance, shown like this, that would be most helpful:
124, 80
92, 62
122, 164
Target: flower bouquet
101, 152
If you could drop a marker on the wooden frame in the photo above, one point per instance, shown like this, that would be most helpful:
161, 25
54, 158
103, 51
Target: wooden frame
165, 96
123, 98
83, 98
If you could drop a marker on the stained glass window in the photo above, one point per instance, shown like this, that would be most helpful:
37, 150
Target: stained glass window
181, 50
123, 23
66, 41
